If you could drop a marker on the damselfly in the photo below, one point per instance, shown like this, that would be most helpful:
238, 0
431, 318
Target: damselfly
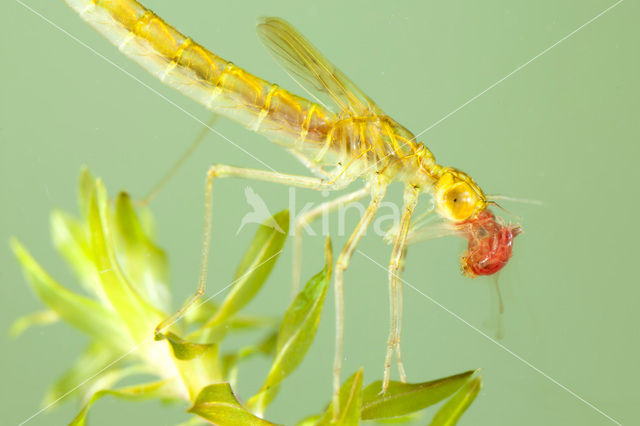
340, 141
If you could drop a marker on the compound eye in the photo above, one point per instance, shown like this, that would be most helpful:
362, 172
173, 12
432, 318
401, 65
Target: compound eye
461, 201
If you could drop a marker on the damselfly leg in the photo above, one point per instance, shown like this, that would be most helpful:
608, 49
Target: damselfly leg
225, 171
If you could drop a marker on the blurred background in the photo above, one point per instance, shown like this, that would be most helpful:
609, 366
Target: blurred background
563, 130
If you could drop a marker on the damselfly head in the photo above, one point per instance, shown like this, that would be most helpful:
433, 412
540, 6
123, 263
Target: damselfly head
457, 196
490, 244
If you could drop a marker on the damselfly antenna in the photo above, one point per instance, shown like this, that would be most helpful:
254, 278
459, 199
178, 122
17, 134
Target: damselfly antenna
493, 203
516, 200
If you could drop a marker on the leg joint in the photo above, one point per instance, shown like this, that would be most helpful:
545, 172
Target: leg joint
394, 266
342, 262
216, 170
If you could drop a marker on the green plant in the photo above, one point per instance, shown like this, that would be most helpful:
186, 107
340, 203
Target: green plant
124, 275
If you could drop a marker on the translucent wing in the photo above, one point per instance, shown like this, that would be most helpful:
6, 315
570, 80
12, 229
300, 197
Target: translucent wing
300, 58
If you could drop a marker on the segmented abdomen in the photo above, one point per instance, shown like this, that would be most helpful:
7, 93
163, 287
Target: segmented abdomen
219, 85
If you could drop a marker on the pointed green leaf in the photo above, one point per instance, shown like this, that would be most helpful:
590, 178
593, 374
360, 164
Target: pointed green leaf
309, 421
194, 421
184, 350
111, 376
350, 402
71, 239
298, 328
404, 398
251, 322
239, 322
413, 417
159, 389
20, 325
138, 315
450, 412
144, 263
197, 363
147, 222
81, 312
255, 266
297, 331
230, 361
217, 404
91, 363
86, 187
206, 310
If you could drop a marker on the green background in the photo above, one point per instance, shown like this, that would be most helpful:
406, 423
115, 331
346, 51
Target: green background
563, 130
